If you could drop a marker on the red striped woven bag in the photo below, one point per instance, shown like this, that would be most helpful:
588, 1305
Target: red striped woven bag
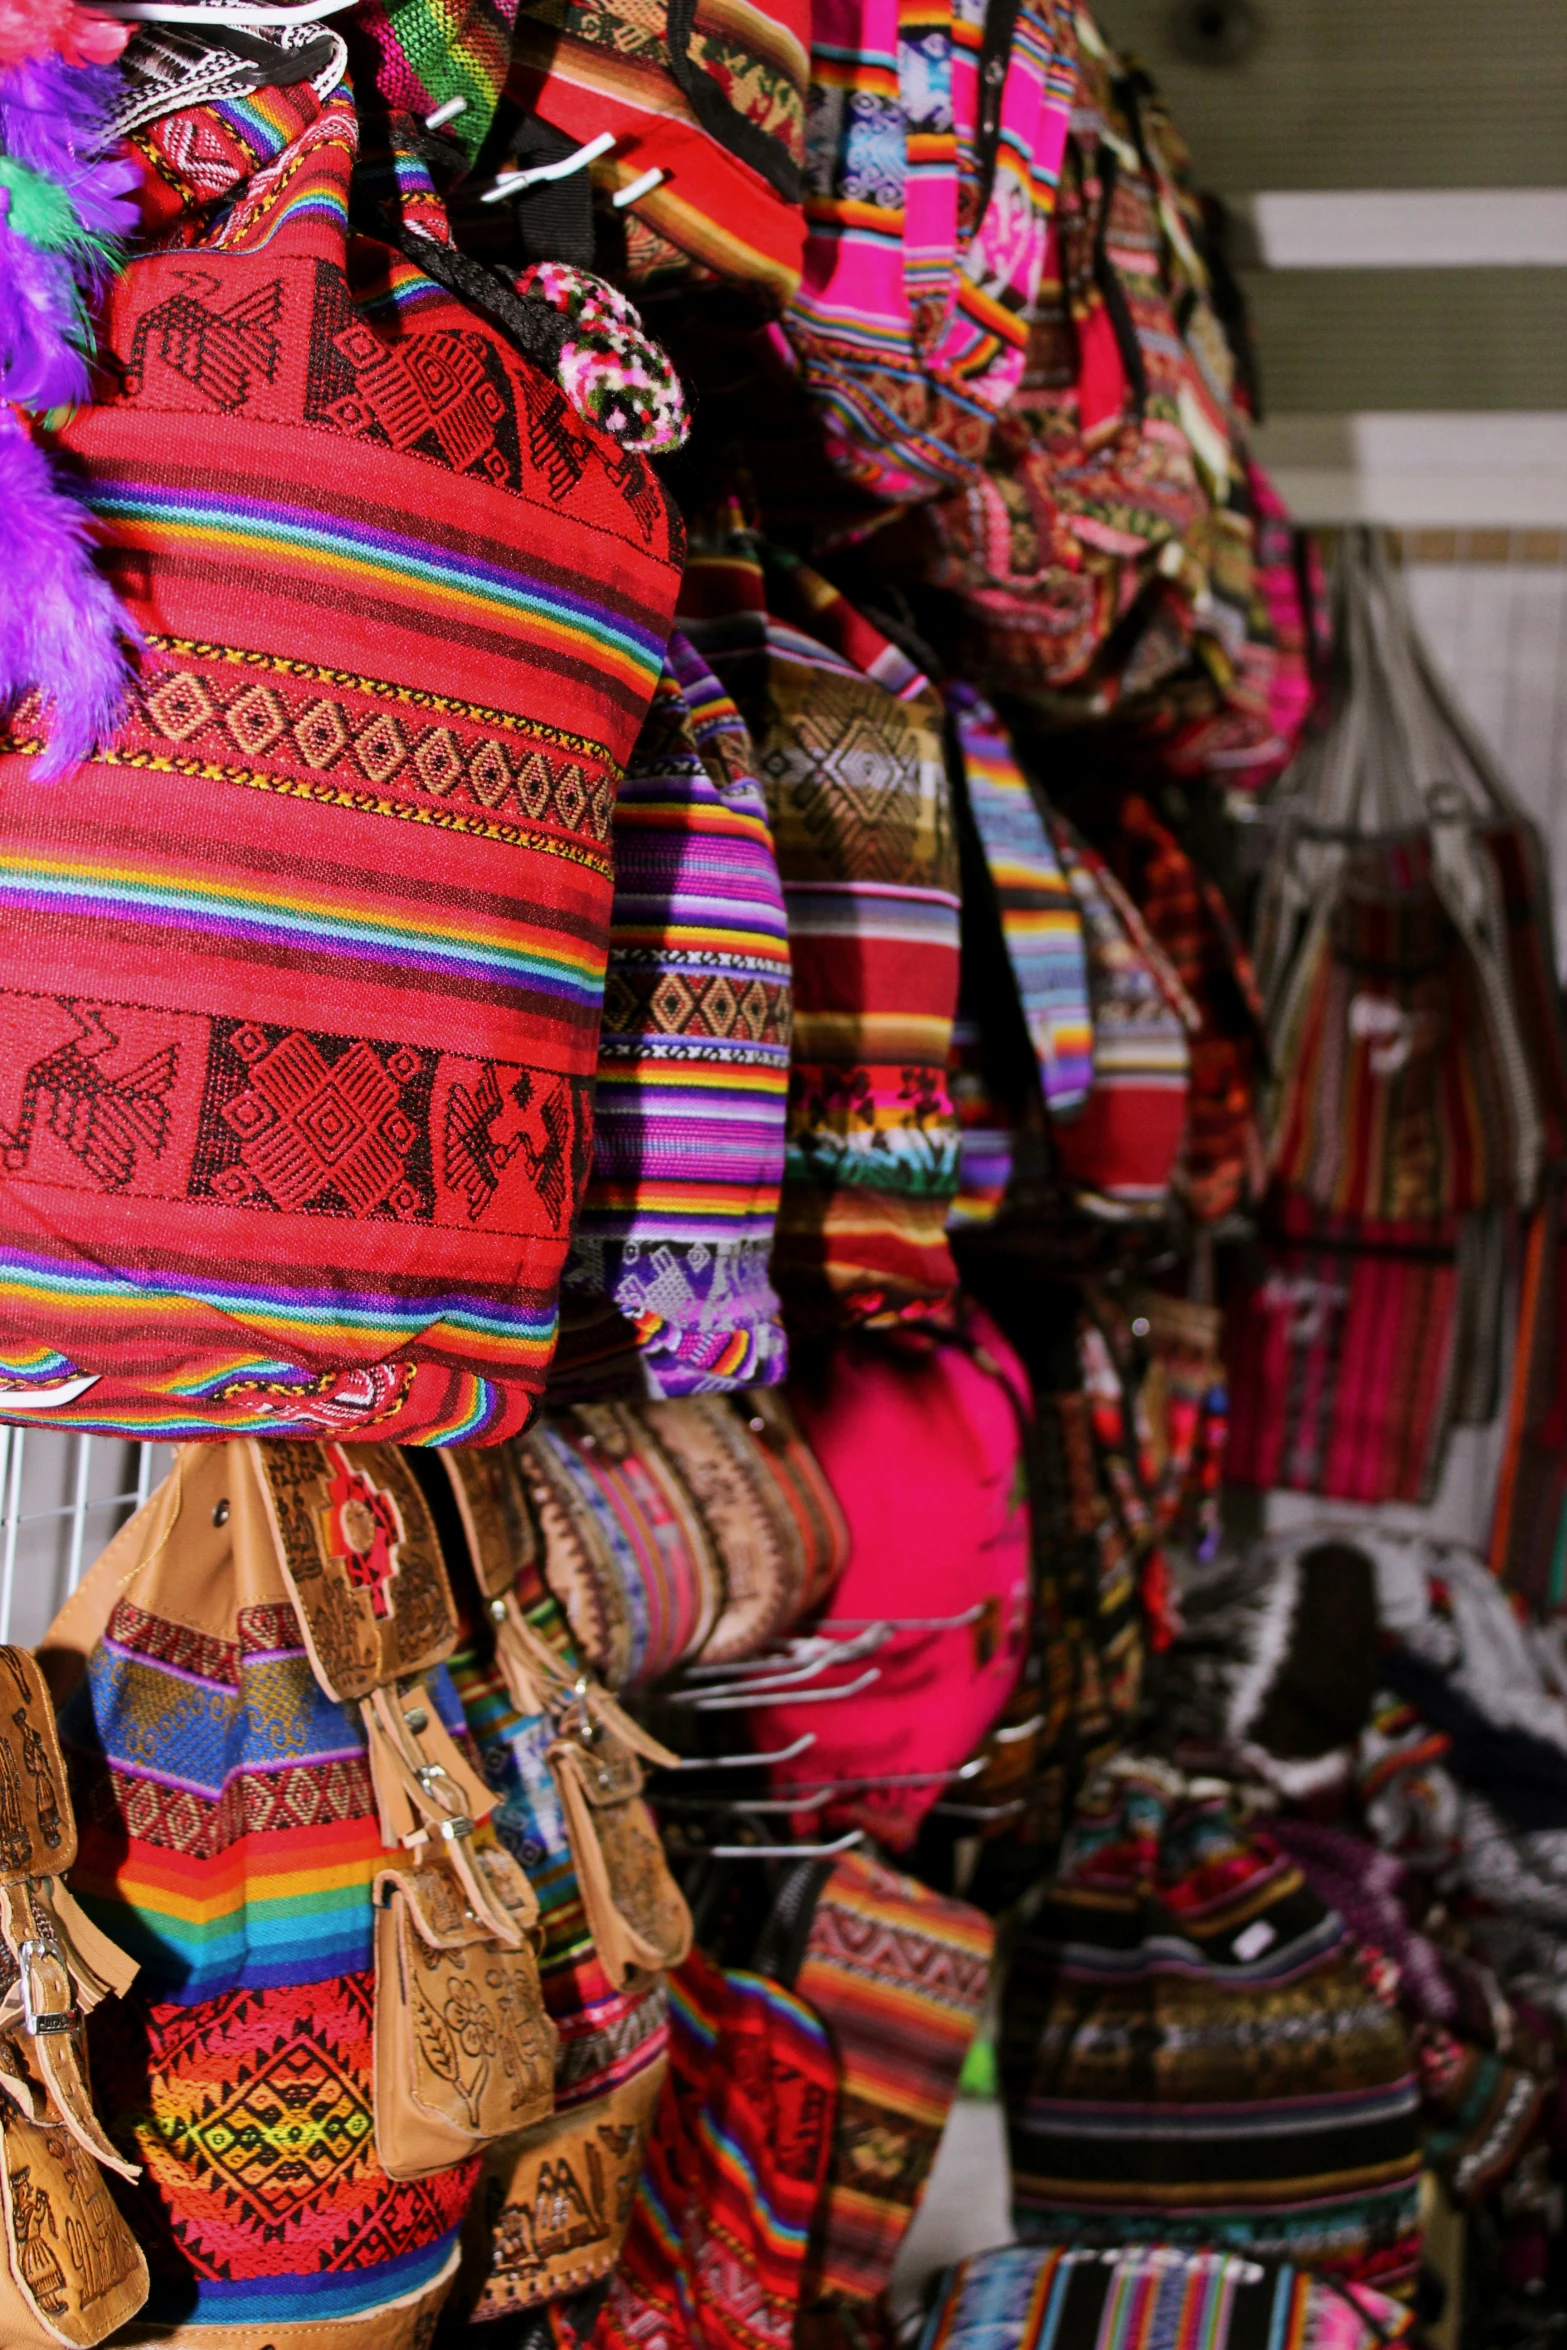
300, 985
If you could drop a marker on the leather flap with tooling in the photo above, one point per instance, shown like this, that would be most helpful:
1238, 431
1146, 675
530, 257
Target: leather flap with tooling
73, 2271
37, 1824
606, 1769
496, 1513
464, 2046
360, 1553
439, 1901
552, 2211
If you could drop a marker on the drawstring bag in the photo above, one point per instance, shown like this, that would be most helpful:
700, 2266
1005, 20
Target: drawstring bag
1192, 2054
304, 979
712, 100
934, 147
1068, 2298
849, 753
669, 1254
326, 1924
71, 2271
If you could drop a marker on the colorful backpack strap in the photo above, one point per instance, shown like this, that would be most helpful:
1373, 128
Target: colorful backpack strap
1040, 919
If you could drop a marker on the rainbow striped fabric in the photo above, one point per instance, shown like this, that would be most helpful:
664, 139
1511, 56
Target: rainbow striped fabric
300, 989
927, 215
228, 1840
693, 1073
719, 2228
1041, 923
1149, 2297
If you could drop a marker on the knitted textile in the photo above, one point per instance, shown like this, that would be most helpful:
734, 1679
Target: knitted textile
1190, 2050
688, 1134
302, 996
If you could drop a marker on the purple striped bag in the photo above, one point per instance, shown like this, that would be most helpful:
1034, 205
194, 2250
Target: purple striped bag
667, 1278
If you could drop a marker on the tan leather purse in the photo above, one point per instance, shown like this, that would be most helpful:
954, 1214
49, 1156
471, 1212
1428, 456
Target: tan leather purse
636, 1912
73, 2272
464, 2051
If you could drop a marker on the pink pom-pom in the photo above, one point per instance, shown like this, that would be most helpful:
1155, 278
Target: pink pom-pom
94, 40
32, 28
43, 28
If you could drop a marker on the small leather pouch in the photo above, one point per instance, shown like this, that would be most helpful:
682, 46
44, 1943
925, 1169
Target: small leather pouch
464, 2050
73, 2272
553, 2207
636, 1912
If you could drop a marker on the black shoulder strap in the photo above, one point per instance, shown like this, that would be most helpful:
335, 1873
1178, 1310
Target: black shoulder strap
733, 130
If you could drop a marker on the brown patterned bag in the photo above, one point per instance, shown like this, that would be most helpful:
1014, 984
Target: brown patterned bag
464, 2051
73, 2271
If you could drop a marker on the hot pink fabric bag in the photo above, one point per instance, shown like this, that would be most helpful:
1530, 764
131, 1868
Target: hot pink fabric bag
920, 1436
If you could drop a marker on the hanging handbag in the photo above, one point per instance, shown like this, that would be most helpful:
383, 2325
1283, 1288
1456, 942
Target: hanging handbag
635, 1912
849, 751
232, 1841
304, 970
552, 2206
667, 1280
1404, 1087
1191, 2053
930, 188
464, 2053
72, 2272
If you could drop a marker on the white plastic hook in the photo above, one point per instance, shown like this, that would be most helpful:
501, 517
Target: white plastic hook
45, 1399
893, 1624
814, 1798
445, 114
643, 186
512, 183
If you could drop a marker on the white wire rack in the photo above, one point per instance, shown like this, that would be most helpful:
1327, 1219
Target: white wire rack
62, 1497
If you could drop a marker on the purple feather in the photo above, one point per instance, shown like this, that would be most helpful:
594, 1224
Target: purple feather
52, 119
62, 630
41, 326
